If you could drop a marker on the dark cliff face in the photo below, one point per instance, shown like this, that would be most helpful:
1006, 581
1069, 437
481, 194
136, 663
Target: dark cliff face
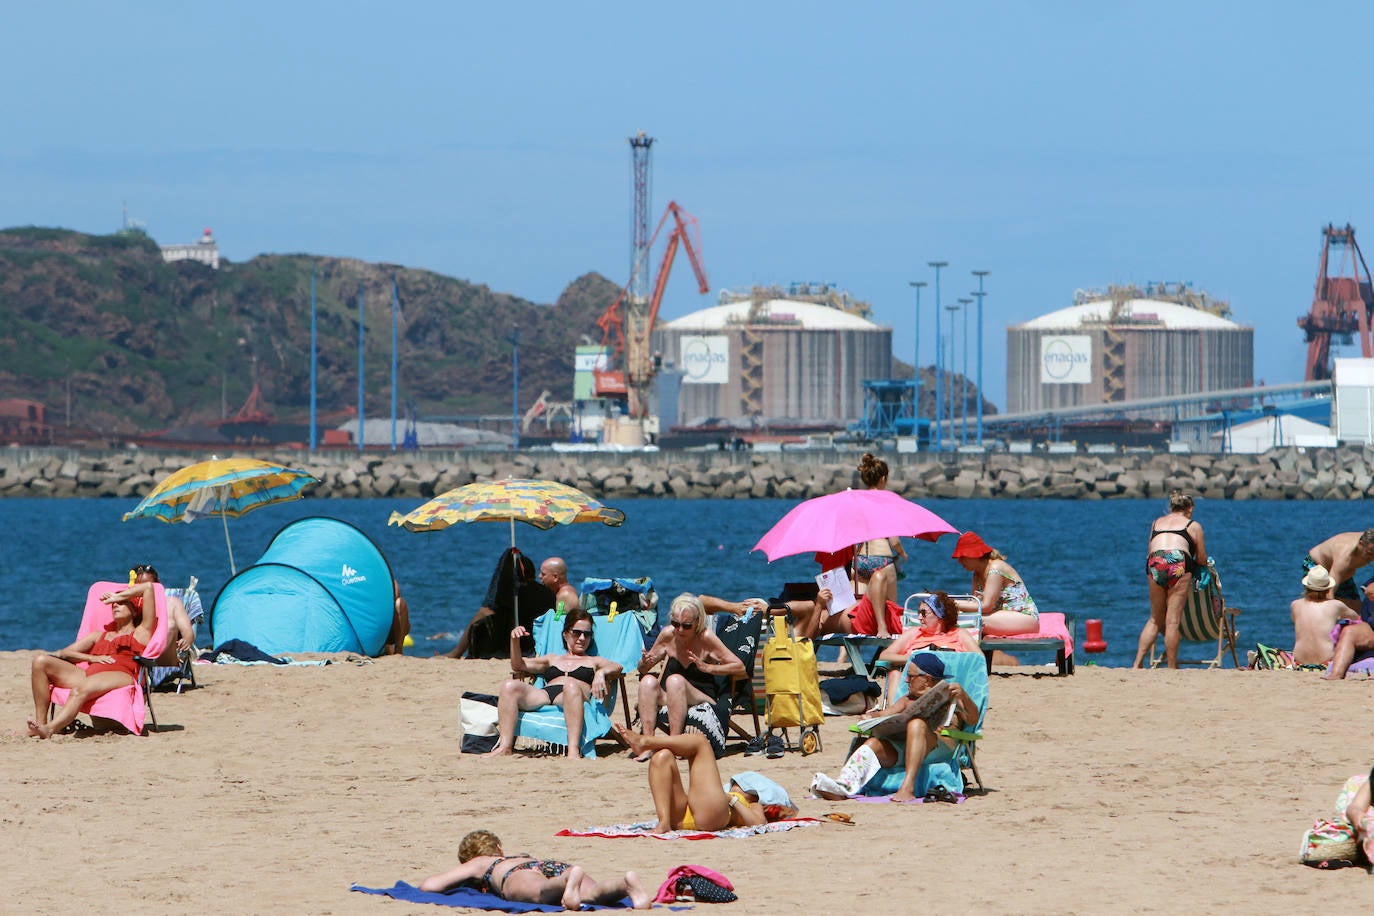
138, 344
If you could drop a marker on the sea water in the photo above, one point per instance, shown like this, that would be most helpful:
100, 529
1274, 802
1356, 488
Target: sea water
1083, 557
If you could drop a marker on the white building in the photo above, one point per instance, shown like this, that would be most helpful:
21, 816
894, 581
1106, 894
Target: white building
206, 251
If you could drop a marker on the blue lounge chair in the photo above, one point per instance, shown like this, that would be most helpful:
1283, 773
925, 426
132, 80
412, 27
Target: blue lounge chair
954, 753
620, 640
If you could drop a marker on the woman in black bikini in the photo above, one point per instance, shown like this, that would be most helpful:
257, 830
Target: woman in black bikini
695, 658
1176, 548
573, 674
525, 879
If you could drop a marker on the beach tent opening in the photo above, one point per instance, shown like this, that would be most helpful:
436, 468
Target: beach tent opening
321, 586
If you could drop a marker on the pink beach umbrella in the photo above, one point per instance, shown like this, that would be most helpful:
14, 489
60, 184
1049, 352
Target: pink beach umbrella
838, 520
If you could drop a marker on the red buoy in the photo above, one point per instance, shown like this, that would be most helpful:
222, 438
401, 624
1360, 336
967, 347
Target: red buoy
1094, 642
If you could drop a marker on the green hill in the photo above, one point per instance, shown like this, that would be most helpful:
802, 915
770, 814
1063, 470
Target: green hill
137, 344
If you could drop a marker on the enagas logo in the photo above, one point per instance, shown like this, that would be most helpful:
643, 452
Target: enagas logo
348, 575
1061, 360
699, 360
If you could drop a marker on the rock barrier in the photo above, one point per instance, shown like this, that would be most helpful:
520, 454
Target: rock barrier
1288, 473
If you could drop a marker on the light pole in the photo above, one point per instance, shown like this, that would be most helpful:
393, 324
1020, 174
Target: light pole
949, 370
963, 383
980, 274
916, 367
939, 349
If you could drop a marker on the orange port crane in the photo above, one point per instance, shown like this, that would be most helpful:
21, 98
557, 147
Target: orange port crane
1342, 304
626, 326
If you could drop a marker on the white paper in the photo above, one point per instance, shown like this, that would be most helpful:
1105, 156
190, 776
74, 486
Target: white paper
841, 589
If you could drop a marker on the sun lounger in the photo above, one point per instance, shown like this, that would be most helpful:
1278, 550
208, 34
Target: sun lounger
1055, 634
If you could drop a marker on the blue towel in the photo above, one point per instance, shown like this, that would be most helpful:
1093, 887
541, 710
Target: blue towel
768, 791
470, 897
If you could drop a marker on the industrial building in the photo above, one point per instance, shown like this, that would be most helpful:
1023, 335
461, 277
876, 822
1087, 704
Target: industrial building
1127, 344
772, 354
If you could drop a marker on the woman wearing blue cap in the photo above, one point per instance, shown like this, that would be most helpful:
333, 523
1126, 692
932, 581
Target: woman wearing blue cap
932, 702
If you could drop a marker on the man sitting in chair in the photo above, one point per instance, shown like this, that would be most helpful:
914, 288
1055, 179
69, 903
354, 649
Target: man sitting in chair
918, 737
181, 632
553, 573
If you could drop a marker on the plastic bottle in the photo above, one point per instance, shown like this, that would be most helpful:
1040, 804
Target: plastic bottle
558, 611
611, 616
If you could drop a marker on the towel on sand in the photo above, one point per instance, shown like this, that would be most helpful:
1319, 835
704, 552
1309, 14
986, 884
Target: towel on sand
471, 898
645, 829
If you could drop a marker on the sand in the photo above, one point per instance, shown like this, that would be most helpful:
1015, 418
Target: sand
274, 789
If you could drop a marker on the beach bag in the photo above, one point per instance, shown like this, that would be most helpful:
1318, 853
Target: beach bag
477, 722
695, 883
1329, 844
792, 684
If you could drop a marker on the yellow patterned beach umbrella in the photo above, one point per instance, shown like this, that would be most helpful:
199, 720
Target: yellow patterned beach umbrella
541, 503
227, 487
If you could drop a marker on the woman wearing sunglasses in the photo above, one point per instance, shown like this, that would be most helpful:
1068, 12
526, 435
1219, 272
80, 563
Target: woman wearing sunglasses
574, 674
695, 657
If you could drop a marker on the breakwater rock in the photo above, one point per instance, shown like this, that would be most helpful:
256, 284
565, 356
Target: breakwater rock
1288, 473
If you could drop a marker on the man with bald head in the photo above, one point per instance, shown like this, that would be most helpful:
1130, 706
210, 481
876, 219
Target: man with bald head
553, 573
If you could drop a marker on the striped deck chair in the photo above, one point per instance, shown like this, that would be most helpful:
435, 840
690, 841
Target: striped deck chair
1206, 619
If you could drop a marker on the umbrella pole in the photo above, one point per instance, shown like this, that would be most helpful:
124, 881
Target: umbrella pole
225, 518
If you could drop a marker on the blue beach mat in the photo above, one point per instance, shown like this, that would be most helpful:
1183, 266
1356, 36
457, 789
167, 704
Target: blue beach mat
474, 899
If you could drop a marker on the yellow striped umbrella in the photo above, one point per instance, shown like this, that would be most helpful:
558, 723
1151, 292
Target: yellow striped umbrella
227, 487
541, 503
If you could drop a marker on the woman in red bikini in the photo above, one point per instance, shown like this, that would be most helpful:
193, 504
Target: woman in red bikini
573, 674
110, 655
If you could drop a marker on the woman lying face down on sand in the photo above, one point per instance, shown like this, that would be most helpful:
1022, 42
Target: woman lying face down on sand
569, 679
703, 804
525, 879
109, 654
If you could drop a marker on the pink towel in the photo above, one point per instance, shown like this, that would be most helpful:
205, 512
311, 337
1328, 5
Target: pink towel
1051, 624
668, 892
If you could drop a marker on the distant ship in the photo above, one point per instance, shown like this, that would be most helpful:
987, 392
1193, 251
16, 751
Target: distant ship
252, 425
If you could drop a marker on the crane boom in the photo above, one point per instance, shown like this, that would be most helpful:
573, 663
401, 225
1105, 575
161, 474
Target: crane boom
629, 328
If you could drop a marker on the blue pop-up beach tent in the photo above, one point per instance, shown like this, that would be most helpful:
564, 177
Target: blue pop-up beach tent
321, 586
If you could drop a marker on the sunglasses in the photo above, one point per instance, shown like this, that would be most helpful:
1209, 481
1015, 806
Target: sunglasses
575, 632
682, 625
141, 569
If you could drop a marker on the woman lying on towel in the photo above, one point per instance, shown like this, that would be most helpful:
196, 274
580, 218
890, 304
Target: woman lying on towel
568, 680
110, 654
525, 879
939, 629
947, 705
704, 804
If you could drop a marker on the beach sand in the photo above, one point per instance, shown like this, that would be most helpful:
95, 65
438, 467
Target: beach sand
274, 789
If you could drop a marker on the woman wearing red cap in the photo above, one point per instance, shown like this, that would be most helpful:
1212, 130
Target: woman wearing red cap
110, 654
1007, 608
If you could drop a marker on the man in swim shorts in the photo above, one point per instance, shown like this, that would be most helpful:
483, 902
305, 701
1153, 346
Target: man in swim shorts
1342, 554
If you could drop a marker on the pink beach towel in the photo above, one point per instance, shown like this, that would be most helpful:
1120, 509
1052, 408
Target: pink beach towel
645, 829
667, 893
124, 705
1051, 624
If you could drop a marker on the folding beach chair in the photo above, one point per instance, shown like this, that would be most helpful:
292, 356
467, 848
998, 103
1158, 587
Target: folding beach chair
156, 676
743, 695
620, 639
1206, 619
956, 750
125, 705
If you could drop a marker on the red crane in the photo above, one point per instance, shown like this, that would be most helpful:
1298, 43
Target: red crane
1342, 304
626, 326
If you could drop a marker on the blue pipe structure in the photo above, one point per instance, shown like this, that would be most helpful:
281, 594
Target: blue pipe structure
939, 352
393, 362
360, 367
313, 355
916, 356
515, 396
980, 274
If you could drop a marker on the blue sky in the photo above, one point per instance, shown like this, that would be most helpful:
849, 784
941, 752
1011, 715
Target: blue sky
1058, 145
